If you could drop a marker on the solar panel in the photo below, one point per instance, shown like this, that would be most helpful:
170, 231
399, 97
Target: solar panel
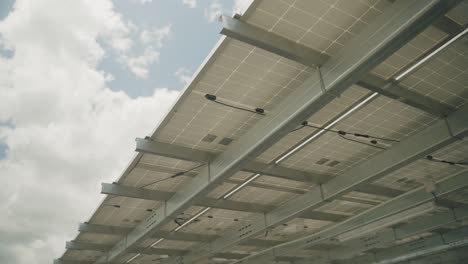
246, 76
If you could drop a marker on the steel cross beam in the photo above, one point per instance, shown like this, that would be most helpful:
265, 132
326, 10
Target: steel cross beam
390, 235
405, 201
425, 246
434, 137
184, 153
133, 192
258, 37
380, 39
155, 195
184, 236
381, 212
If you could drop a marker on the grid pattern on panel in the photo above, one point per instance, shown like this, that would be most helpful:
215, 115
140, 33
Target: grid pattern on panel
416, 175
331, 110
141, 177
419, 45
460, 196
244, 76
98, 238
459, 13
298, 227
366, 197
285, 183
169, 244
261, 196
445, 77
325, 26
382, 117
129, 213
423, 171
343, 207
82, 255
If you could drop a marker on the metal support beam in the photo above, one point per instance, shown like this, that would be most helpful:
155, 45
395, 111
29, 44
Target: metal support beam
158, 251
258, 37
192, 174
183, 153
139, 193
455, 256
417, 146
416, 249
121, 231
154, 195
403, 202
380, 39
391, 235
180, 152
103, 229
398, 92
77, 245
276, 44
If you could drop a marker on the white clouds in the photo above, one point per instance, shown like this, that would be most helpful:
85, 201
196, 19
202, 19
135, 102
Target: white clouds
183, 74
71, 132
153, 40
140, 65
155, 37
189, 3
213, 11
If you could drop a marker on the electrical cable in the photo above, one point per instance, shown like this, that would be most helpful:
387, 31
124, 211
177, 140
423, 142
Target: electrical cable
343, 133
364, 143
259, 111
173, 176
431, 158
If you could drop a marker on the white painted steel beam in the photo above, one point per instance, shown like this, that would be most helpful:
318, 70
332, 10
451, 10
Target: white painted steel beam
183, 153
380, 39
258, 37
415, 147
192, 174
180, 152
391, 235
77, 245
276, 44
399, 204
416, 249
154, 195
103, 229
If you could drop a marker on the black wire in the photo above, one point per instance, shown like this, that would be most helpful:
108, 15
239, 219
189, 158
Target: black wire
360, 142
342, 132
296, 129
173, 176
258, 111
431, 158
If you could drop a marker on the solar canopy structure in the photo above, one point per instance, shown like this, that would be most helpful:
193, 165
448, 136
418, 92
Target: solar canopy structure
234, 174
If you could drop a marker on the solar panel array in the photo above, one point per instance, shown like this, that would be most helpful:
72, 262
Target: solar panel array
246, 76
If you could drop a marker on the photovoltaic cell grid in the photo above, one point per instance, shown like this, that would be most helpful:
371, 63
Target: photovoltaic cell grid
334, 108
423, 171
422, 43
246, 76
445, 77
382, 117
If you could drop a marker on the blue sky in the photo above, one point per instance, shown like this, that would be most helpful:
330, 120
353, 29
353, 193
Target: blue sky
79, 81
192, 37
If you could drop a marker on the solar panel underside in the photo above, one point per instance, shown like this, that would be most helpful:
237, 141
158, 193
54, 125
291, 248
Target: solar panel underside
246, 76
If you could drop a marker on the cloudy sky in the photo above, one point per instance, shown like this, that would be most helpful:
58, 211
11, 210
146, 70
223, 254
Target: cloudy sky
79, 81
